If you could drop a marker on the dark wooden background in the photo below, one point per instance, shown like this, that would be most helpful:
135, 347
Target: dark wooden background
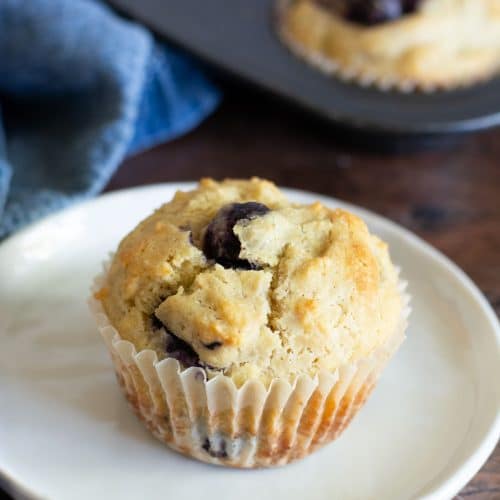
450, 196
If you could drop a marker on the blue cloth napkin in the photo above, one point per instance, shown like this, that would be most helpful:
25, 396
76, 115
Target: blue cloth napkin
80, 88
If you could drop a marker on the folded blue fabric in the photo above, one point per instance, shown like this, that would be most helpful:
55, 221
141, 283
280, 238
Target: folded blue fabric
80, 88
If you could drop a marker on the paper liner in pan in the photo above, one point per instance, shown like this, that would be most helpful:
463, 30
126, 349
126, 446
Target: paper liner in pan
301, 43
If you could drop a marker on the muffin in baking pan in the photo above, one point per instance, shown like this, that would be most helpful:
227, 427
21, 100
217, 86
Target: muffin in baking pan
405, 44
246, 330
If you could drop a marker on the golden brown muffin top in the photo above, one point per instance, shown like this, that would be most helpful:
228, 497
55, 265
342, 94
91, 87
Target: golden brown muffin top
234, 278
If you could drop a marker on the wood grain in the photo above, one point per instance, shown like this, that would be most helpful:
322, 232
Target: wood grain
449, 196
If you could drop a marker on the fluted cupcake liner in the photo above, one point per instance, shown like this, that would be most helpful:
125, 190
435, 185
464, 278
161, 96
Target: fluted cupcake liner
359, 73
251, 426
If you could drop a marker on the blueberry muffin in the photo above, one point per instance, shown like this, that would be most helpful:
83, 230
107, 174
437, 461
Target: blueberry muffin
427, 44
247, 330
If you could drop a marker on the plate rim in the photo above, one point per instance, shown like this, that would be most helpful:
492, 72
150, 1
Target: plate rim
467, 468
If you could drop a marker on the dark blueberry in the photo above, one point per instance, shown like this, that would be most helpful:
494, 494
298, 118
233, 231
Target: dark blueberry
410, 5
374, 11
206, 445
213, 345
156, 323
220, 242
220, 453
370, 11
181, 351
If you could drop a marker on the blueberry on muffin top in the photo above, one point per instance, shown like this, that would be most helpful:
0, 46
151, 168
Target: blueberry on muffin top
370, 12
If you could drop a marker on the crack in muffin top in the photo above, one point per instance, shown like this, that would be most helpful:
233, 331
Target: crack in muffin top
308, 289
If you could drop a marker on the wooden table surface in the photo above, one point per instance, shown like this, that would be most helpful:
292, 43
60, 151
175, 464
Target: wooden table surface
450, 197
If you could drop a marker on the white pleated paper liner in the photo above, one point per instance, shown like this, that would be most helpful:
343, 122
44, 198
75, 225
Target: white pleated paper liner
251, 426
359, 73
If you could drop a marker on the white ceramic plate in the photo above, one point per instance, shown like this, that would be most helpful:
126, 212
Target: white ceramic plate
66, 431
